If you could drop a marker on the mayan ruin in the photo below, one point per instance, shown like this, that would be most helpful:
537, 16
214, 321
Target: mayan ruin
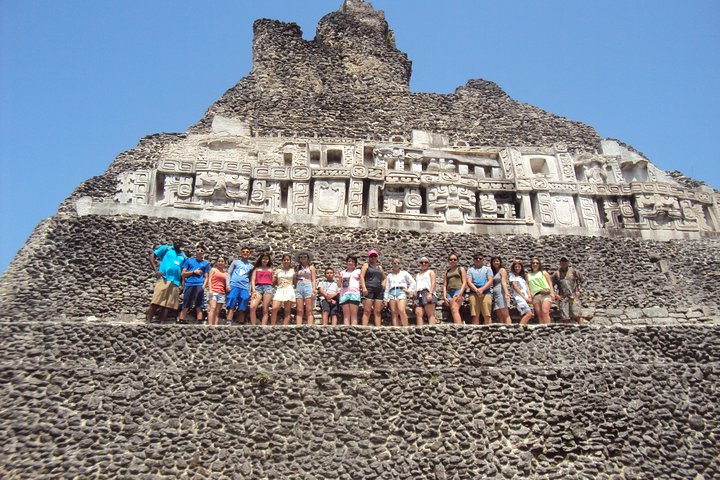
297, 158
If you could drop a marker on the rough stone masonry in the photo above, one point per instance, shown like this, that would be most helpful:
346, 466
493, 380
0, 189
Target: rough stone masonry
323, 148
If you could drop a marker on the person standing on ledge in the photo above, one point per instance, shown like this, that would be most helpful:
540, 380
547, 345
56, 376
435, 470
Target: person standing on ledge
480, 284
399, 285
454, 285
239, 286
349, 286
567, 283
218, 281
167, 288
425, 293
196, 273
542, 291
306, 283
372, 285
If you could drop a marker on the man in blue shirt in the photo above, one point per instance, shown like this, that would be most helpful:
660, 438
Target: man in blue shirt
167, 288
239, 285
480, 281
196, 272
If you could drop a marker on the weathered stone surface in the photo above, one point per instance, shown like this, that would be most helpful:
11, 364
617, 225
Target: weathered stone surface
353, 402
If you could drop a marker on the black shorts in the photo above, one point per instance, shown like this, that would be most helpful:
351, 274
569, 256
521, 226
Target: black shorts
421, 298
193, 296
375, 293
326, 306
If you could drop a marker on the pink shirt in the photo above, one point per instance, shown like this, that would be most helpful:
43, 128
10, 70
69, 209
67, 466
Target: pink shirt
218, 281
263, 277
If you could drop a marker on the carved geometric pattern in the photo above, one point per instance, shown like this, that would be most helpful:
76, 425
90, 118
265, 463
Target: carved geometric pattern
169, 165
590, 216
507, 158
266, 194
567, 169
133, 187
175, 188
355, 198
546, 208
301, 198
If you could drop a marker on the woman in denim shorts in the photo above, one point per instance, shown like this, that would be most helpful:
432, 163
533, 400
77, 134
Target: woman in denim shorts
399, 284
217, 280
261, 288
425, 282
305, 289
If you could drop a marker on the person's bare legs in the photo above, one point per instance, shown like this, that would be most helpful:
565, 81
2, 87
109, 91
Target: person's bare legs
402, 310
275, 311
430, 312
503, 315
367, 309
253, 308
267, 299
377, 312
309, 303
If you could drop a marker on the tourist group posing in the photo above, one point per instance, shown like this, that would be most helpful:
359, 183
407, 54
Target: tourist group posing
245, 287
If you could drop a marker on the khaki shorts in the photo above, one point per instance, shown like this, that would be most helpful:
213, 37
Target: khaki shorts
570, 308
166, 294
481, 306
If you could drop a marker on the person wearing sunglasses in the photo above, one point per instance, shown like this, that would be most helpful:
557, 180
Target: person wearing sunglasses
454, 285
425, 282
399, 284
480, 284
542, 291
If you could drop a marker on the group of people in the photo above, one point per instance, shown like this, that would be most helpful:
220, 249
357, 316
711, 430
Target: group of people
244, 287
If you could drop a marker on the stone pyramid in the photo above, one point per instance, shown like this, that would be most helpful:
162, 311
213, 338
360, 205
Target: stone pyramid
323, 148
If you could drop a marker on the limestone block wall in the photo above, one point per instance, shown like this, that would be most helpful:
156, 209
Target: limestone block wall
134, 401
76, 267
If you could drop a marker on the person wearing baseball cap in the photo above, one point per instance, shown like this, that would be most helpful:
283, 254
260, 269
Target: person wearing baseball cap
567, 281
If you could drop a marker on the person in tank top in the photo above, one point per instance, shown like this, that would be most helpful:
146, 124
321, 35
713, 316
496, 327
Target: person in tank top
261, 288
453, 287
305, 289
501, 291
218, 280
372, 285
425, 293
542, 291
520, 292
284, 281
349, 284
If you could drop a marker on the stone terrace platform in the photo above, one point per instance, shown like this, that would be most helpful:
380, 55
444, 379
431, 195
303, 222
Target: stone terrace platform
136, 401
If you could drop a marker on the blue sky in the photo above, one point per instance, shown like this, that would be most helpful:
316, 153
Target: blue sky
83, 80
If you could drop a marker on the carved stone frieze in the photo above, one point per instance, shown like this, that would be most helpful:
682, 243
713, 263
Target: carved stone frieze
329, 198
266, 194
407, 178
355, 198
169, 165
508, 159
461, 184
567, 169
134, 187
589, 213
264, 172
454, 201
175, 189
547, 214
301, 198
